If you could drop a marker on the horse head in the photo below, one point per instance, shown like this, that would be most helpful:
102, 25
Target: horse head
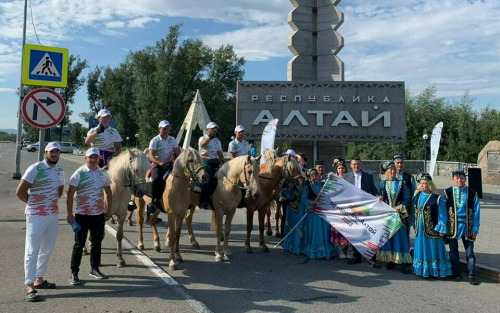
250, 177
189, 165
292, 171
136, 171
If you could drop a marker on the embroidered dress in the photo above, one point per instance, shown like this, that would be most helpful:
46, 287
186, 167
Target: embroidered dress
430, 258
396, 249
294, 212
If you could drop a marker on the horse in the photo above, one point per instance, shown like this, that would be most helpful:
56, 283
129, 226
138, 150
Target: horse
272, 172
240, 173
178, 198
275, 199
127, 172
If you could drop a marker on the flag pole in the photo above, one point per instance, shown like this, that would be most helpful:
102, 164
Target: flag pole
295, 227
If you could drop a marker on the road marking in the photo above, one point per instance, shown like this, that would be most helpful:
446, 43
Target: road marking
160, 272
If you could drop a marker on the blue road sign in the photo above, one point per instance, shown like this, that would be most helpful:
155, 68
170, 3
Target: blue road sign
45, 66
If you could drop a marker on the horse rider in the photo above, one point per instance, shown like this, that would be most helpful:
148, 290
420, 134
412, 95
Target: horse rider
105, 138
212, 158
163, 149
238, 146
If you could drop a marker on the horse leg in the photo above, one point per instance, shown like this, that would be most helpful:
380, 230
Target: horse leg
172, 239
218, 219
277, 216
268, 224
139, 217
262, 241
250, 210
189, 224
119, 237
156, 237
227, 231
178, 227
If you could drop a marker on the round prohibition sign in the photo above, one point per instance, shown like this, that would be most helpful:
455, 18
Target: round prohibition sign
43, 108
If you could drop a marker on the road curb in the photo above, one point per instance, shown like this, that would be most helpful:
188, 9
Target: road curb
484, 271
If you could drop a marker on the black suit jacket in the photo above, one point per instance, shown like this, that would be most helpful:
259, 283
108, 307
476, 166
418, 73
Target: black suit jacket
367, 183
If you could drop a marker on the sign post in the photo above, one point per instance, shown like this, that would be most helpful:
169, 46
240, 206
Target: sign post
43, 108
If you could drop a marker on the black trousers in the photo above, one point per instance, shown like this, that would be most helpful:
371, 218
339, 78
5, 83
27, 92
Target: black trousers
158, 184
208, 189
94, 224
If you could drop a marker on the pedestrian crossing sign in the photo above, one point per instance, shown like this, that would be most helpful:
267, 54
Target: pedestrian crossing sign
45, 66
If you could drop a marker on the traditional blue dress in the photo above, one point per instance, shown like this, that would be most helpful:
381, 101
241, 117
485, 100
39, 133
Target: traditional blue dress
396, 249
312, 236
430, 257
294, 212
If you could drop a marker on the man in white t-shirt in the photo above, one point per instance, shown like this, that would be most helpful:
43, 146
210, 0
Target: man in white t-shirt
91, 212
163, 149
212, 157
105, 138
45, 182
238, 146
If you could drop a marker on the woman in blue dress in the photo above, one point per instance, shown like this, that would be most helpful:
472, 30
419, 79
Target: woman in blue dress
429, 218
312, 236
397, 249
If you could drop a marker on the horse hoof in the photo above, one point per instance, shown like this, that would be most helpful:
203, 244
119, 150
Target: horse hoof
248, 250
227, 257
85, 252
219, 258
172, 267
130, 223
269, 232
179, 259
222, 238
140, 247
264, 249
157, 249
121, 264
195, 245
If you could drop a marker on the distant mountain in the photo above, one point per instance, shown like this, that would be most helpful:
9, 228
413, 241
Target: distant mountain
9, 131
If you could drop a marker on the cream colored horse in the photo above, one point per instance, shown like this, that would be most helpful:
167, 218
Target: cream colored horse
237, 174
272, 172
127, 172
177, 198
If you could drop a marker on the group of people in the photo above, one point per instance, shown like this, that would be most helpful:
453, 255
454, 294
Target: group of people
437, 220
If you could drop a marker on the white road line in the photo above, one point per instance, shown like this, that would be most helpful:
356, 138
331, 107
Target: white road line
158, 271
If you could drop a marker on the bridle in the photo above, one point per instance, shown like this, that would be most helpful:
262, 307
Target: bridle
133, 182
287, 176
192, 173
246, 184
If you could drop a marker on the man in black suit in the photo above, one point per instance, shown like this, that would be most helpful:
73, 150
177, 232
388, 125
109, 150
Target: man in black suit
363, 181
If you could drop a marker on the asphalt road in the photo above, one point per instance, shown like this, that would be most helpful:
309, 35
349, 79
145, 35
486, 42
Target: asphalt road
260, 282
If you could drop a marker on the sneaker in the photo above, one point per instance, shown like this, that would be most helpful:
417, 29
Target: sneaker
97, 274
74, 280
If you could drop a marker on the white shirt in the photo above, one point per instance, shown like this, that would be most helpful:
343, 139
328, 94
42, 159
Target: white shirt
164, 148
209, 151
89, 191
239, 147
105, 141
357, 179
45, 180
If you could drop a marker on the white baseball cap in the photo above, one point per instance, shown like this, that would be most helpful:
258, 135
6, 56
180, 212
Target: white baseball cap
52, 145
291, 152
239, 128
211, 125
92, 151
103, 112
163, 123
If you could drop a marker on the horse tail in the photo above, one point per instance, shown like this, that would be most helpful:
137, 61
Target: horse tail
213, 222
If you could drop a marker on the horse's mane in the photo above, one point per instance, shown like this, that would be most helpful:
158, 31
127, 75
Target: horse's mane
133, 157
293, 165
182, 160
235, 166
270, 155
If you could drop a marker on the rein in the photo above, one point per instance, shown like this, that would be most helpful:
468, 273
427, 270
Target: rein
192, 173
285, 172
247, 183
132, 181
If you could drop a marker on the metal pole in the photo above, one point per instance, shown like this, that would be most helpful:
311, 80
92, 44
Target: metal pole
41, 146
315, 151
19, 144
425, 155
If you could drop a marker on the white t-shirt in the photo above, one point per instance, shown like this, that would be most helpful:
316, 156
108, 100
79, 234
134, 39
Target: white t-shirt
209, 151
239, 148
90, 190
45, 181
164, 148
106, 140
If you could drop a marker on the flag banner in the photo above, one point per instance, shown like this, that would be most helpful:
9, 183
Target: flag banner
268, 136
361, 218
435, 139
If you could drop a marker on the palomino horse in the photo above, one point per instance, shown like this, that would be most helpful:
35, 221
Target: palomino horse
274, 201
178, 198
128, 172
271, 173
239, 173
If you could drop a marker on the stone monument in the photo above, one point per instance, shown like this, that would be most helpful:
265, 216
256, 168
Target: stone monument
489, 163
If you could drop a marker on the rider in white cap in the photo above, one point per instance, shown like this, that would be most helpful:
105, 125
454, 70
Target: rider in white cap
105, 138
238, 146
212, 158
163, 149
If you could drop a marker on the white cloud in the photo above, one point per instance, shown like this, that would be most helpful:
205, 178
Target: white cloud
115, 24
9, 90
141, 21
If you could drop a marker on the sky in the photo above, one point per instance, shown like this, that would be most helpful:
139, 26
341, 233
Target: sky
452, 44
